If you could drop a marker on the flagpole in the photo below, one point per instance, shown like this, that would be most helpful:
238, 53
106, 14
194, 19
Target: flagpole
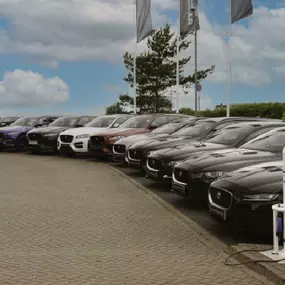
177, 70
230, 81
135, 63
196, 68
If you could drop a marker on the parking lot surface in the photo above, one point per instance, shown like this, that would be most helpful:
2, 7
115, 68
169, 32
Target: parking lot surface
69, 221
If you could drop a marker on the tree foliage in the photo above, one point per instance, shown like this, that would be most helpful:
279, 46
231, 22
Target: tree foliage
264, 110
123, 106
156, 70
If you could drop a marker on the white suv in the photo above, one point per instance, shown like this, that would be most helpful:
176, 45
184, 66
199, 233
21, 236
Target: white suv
76, 140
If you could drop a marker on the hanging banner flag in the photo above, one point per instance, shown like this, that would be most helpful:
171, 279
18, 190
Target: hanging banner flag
189, 19
143, 19
241, 9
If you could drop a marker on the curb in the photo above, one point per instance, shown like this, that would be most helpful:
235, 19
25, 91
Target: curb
209, 240
272, 271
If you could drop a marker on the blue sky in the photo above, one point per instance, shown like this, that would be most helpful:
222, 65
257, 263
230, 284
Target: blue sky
59, 57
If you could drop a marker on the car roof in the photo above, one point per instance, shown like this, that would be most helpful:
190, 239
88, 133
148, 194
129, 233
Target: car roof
221, 119
257, 124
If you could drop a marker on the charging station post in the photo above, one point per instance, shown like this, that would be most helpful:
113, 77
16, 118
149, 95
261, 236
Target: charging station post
278, 211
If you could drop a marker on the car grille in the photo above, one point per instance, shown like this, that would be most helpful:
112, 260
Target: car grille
97, 140
136, 154
180, 175
221, 197
119, 148
154, 163
34, 137
66, 138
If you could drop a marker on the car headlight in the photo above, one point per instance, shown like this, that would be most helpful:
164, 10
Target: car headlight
117, 138
260, 197
50, 135
13, 133
173, 163
210, 175
85, 136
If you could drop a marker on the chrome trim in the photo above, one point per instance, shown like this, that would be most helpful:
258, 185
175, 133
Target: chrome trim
178, 182
118, 153
150, 168
131, 159
219, 206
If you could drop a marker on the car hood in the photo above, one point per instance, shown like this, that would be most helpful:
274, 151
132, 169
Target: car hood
121, 132
256, 179
161, 143
19, 129
146, 137
184, 151
83, 131
45, 130
226, 160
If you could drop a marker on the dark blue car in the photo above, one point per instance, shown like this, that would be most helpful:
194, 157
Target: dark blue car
14, 136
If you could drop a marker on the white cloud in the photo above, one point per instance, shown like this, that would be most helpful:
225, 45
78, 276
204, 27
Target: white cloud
26, 89
51, 31
62, 30
256, 52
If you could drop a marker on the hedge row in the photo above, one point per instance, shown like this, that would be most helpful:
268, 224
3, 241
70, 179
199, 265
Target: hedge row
264, 110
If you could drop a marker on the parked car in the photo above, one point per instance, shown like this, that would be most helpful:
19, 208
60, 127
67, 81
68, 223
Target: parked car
7, 121
161, 162
45, 138
201, 129
121, 147
14, 136
101, 144
244, 197
194, 176
76, 140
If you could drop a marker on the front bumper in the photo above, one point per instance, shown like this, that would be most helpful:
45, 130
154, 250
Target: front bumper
42, 144
102, 150
77, 145
190, 188
164, 172
243, 215
8, 143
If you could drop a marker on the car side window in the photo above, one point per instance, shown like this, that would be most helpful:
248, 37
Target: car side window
255, 134
159, 121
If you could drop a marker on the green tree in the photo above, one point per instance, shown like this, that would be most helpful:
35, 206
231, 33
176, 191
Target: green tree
156, 70
123, 106
283, 117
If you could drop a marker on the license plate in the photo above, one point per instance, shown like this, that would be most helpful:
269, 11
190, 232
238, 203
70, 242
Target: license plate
218, 212
33, 142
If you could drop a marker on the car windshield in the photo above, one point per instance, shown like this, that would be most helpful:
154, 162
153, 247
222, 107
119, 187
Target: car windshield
270, 141
168, 129
195, 130
137, 122
84, 120
101, 122
8, 120
65, 122
25, 122
230, 135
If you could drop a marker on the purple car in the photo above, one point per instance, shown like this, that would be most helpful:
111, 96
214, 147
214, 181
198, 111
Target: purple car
14, 136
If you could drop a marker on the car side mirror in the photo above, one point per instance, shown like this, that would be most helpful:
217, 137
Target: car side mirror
116, 125
39, 125
79, 126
